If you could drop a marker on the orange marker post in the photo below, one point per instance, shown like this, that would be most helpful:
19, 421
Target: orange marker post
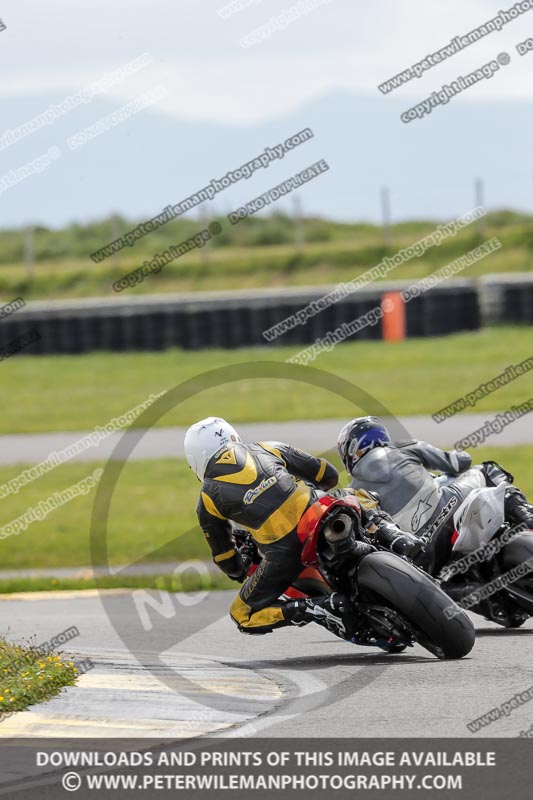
393, 321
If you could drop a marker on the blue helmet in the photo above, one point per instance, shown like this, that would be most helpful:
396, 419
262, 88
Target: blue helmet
358, 437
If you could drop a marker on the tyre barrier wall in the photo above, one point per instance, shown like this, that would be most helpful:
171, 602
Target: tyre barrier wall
226, 320
507, 299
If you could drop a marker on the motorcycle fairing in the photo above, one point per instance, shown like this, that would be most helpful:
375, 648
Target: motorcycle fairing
479, 517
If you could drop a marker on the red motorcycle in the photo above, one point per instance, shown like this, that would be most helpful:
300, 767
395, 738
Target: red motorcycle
394, 604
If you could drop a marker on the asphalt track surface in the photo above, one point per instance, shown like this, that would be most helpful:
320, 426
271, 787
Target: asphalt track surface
195, 674
315, 435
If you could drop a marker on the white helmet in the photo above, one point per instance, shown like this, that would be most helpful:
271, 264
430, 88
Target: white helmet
204, 438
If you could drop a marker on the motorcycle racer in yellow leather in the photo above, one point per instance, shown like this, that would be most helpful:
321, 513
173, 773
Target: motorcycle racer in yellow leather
266, 487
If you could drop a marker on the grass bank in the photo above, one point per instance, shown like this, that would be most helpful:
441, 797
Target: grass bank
28, 676
152, 520
416, 376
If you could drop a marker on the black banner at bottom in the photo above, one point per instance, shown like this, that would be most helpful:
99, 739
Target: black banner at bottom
209, 769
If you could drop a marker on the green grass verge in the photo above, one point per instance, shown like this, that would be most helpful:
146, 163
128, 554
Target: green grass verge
154, 505
152, 520
27, 676
416, 376
188, 582
267, 258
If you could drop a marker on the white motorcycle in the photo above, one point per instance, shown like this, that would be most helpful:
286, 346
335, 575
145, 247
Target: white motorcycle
491, 569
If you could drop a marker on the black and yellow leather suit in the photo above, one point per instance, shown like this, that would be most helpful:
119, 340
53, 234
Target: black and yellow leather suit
264, 488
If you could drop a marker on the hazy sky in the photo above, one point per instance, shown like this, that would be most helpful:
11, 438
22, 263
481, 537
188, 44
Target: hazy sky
61, 45
223, 103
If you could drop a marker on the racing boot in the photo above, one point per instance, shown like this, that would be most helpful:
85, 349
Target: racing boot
495, 474
397, 541
517, 509
332, 612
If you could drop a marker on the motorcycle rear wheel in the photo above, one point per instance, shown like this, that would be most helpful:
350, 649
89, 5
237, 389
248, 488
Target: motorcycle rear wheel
519, 551
390, 580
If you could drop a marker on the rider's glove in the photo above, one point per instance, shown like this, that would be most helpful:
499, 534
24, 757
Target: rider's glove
248, 551
232, 564
239, 578
248, 555
247, 562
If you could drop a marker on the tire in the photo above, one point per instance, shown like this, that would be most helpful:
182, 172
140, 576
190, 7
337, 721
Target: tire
519, 549
419, 601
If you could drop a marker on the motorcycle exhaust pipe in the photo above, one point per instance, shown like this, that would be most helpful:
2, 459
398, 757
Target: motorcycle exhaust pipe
339, 534
340, 527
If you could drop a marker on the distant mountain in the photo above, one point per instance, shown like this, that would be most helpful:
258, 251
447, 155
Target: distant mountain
151, 160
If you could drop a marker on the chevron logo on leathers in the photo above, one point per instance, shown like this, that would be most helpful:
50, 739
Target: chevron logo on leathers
228, 457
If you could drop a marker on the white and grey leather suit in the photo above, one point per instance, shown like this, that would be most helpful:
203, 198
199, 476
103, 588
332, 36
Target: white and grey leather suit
418, 503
